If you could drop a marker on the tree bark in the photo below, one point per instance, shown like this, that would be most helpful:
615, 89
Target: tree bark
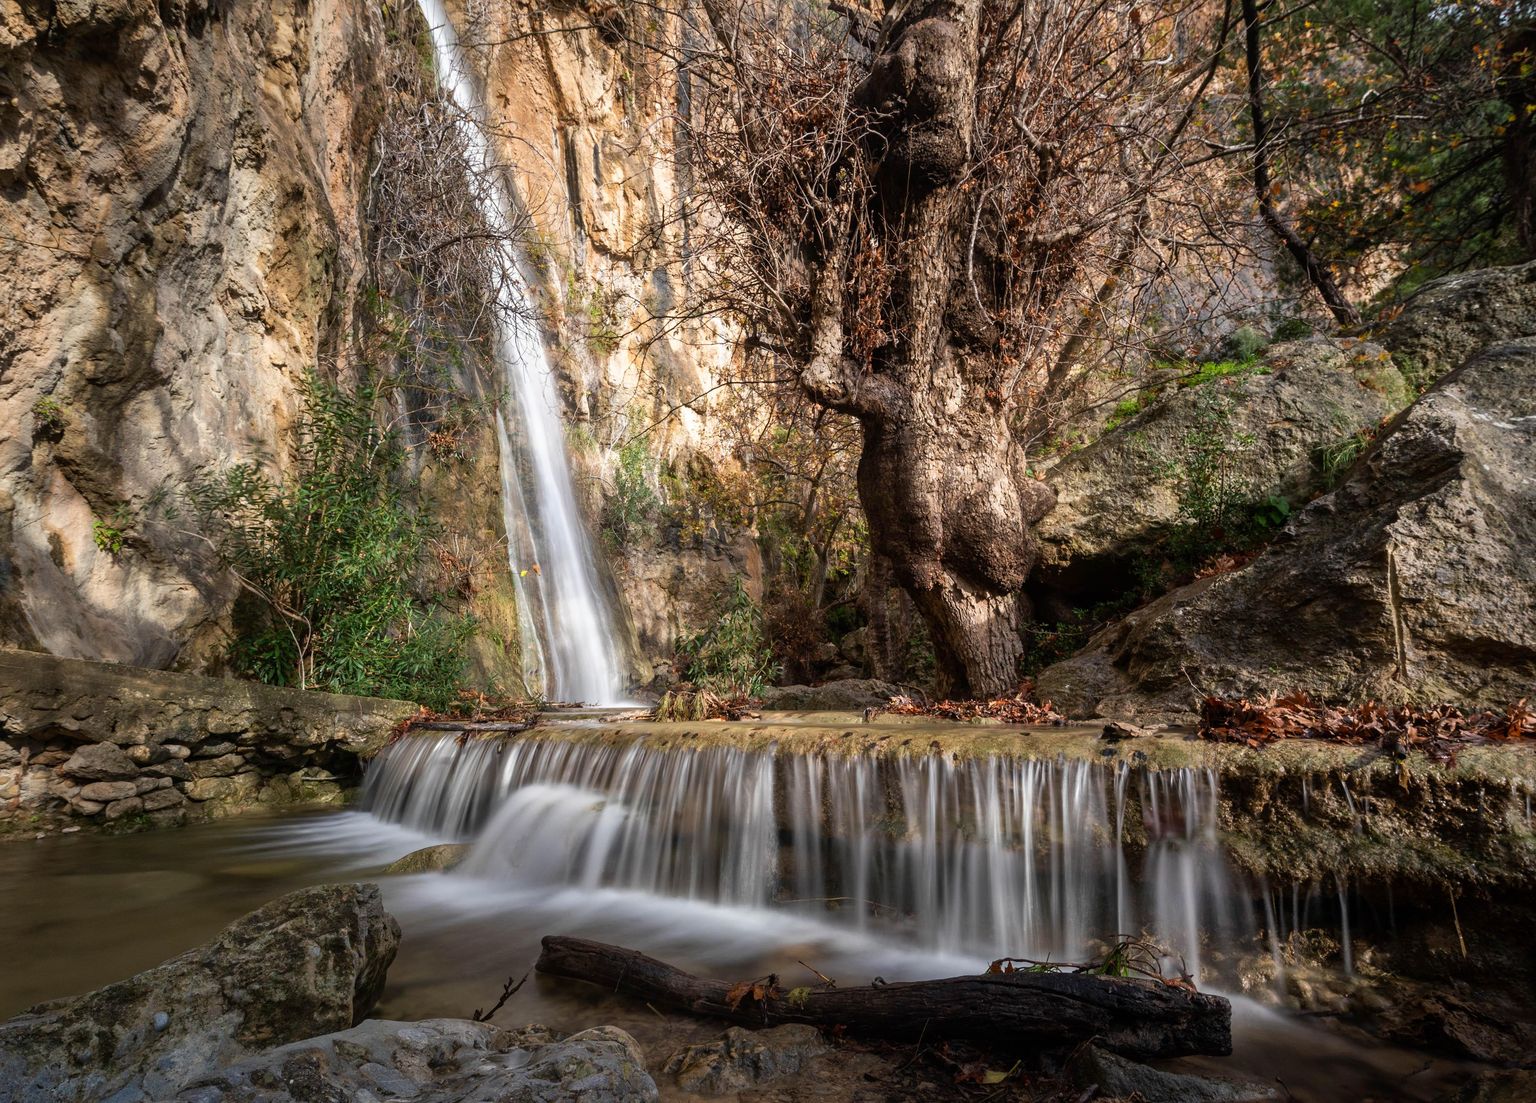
950, 506
1137, 1018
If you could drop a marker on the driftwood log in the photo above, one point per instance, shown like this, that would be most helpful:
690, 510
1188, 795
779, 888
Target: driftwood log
1134, 1017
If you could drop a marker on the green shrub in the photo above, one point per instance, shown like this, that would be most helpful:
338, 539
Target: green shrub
107, 536
1244, 343
48, 414
1294, 329
332, 561
732, 656
631, 510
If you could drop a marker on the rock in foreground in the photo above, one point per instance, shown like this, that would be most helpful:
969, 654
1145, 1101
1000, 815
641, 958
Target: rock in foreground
743, 1059
309, 963
439, 1061
1413, 581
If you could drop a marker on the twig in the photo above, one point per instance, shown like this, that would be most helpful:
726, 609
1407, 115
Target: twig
508, 990
1456, 919
828, 981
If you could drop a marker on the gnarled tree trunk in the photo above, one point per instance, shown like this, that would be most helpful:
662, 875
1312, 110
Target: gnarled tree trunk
949, 504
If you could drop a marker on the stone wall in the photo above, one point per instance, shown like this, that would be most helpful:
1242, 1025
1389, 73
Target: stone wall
87, 743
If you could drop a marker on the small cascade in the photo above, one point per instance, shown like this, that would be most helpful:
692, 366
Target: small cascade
982, 857
569, 646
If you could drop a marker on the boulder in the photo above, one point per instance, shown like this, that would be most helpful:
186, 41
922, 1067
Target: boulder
743, 1059
845, 695
309, 963
430, 859
1449, 319
1118, 1077
438, 1061
1119, 496
1414, 580
1502, 1086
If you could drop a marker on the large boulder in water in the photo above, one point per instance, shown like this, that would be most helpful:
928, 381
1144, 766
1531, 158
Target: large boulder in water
1414, 580
309, 963
439, 1061
1119, 497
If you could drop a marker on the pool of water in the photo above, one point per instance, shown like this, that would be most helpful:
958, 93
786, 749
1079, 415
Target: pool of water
82, 910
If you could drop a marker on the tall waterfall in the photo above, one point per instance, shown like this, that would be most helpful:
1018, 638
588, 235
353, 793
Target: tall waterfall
983, 857
568, 639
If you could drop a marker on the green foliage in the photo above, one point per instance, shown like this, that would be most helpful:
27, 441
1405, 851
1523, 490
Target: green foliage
1196, 374
631, 510
108, 535
1333, 460
1220, 511
333, 559
1128, 408
48, 413
1398, 117
1244, 344
1294, 329
1051, 642
731, 657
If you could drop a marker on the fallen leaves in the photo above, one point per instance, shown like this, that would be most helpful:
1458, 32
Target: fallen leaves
1020, 707
1435, 729
760, 991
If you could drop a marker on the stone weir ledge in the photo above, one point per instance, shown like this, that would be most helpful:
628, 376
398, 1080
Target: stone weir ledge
1291, 810
95, 744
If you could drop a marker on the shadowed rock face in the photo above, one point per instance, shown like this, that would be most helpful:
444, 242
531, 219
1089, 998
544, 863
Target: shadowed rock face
309, 963
1118, 497
1414, 580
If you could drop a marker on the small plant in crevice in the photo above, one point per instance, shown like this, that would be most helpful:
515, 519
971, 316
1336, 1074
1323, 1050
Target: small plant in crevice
1334, 460
630, 512
47, 415
340, 590
731, 657
109, 534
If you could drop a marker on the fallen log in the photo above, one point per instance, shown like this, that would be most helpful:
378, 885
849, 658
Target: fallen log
1134, 1017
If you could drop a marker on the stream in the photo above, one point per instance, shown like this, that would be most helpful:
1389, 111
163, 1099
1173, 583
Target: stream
725, 862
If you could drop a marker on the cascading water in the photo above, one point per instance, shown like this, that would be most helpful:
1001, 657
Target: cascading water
569, 647
977, 858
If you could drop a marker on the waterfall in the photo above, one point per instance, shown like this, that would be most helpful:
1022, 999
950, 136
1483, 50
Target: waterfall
567, 633
982, 857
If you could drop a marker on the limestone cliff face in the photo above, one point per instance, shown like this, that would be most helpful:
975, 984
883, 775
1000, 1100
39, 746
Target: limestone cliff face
588, 122
184, 235
181, 240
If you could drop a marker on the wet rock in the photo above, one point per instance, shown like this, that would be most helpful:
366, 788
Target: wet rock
1413, 580
309, 963
1119, 496
430, 859
1120, 1078
1504, 1086
848, 695
439, 1061
1449, 319
743, 1059
100, 762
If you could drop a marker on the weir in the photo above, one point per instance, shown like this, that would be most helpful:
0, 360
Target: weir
569, 647
980, 857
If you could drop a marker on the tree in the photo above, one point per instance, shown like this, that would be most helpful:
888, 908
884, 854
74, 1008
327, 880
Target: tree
922, 213
1403, 130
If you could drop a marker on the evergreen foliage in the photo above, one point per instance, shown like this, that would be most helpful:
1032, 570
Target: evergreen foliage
333, 559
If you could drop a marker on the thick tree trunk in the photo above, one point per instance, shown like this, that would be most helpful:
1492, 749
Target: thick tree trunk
1137, 1018
950, 506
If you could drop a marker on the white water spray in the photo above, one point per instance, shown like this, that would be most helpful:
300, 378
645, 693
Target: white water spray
568, 641
979, 858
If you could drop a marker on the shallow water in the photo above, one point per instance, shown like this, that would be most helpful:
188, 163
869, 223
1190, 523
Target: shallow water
83, 910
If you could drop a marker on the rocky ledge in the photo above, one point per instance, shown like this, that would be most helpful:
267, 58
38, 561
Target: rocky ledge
85, 743
272, 1010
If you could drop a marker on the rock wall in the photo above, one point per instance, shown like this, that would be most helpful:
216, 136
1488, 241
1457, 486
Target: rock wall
84, 743
186, 234
182, 239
